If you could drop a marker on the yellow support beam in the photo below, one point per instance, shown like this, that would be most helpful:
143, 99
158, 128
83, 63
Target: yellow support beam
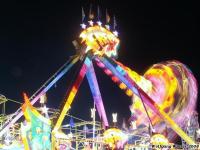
175, 127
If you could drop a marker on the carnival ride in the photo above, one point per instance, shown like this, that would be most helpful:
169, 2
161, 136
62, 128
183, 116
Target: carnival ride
160, 99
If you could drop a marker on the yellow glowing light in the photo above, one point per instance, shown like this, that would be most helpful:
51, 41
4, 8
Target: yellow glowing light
159, 139
100, 40
112, 136
129, 92
170, 84
122, 86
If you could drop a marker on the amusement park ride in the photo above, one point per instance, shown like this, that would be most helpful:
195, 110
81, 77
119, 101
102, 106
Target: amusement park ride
163, 103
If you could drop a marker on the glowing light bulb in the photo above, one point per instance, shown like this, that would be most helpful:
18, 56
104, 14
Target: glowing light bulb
107, 27
114, 115
91, 23
83, 26
99, 23
44, 109
115, 33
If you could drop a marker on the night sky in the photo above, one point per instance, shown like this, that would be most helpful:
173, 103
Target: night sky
36, 39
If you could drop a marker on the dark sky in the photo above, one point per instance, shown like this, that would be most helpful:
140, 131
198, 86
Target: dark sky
35, 40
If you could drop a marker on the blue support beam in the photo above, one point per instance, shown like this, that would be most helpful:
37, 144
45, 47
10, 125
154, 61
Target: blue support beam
94, 88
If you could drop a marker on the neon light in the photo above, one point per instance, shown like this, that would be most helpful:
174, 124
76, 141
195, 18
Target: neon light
115, 79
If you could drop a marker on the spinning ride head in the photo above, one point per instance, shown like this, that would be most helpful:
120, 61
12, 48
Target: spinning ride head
100, 40
174, 88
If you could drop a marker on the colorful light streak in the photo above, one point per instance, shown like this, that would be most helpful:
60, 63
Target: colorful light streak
174, 88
